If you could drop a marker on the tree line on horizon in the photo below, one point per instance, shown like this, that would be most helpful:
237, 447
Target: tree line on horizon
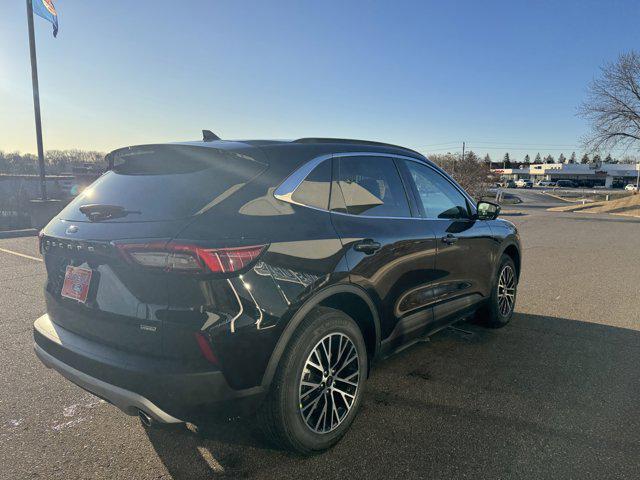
60, 161
56, 161
585, 159
507, 161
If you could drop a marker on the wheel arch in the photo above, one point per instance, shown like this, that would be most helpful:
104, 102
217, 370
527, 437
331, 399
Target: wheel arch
349, 298
512, 250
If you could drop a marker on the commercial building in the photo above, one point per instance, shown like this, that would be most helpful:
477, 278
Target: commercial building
610, 175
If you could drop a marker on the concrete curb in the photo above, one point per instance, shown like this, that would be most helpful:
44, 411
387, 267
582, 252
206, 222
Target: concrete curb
560, 198
27, 232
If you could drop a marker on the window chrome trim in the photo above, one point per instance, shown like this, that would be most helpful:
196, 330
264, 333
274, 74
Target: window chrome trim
286, 189
373, 216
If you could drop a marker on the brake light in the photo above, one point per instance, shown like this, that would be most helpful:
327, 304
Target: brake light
178, 257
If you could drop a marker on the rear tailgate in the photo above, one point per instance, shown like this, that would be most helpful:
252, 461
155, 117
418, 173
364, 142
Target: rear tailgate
151, 194
94, 293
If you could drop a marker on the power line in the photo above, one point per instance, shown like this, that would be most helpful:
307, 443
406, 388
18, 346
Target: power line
438, 144
520, 147
528, 149
527, 144
440, 149
483, 147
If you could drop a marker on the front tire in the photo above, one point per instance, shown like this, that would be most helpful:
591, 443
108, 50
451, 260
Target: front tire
501, 304
319, 384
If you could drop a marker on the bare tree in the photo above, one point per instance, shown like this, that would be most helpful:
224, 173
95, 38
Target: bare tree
474, 175
613, 105
57, 161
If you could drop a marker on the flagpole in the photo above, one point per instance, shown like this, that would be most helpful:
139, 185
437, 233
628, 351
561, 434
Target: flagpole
36, 99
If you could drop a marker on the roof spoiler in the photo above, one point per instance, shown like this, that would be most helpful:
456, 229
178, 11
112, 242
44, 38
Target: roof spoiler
209, 136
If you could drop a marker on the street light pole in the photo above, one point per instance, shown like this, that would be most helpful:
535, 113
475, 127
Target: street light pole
36, 99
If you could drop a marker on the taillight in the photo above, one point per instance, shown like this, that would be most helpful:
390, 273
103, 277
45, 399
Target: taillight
179, 257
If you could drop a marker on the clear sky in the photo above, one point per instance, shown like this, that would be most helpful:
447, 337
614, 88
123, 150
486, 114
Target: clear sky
424, 74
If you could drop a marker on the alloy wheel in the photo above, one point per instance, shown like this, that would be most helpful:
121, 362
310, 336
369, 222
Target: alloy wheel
506, 290
329, 383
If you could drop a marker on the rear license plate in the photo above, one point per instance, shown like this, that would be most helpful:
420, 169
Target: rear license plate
76, 283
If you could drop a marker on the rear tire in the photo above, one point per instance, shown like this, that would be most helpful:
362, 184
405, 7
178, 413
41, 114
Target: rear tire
500, 306
318, 387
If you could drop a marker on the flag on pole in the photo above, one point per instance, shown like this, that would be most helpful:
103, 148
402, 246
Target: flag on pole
46, 10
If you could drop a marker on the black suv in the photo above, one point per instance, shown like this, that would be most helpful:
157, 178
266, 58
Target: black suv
231, 277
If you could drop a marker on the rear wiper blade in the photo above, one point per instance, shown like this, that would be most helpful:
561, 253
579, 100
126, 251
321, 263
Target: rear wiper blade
97, 212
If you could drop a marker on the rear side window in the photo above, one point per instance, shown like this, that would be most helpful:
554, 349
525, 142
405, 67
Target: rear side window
438, 197
371, 186
166, 182
314, 190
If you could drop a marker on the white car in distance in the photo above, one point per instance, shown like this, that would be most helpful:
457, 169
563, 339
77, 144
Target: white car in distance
522, 183
546, 183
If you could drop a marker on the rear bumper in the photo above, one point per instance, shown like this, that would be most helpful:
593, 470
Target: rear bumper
129, 402
166, 390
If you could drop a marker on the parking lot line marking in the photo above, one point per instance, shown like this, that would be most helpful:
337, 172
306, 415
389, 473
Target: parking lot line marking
21, 255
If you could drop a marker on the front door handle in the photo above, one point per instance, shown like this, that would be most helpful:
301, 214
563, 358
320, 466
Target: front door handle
367, 246
450, 239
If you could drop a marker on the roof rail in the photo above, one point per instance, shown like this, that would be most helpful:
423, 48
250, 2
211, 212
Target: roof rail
352, 141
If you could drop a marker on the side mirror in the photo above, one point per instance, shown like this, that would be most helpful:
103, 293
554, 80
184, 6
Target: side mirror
487, 210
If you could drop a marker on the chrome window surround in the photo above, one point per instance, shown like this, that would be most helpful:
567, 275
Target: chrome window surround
286, 189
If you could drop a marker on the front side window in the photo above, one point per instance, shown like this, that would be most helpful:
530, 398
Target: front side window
371, 186
438, 197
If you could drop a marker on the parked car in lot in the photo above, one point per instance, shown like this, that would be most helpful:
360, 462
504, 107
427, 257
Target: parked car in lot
507, 184
631, 187
565, 184
233, 277
524, 183
545, 183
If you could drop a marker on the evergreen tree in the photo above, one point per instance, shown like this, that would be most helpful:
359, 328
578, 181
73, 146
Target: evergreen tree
572, 159
506, 161
487, 159
562, 158
471, 156
527, 159
597, 159
585, 159
549, 159
538, 158
608, 159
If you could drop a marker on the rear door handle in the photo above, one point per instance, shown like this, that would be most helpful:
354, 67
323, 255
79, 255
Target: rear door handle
450, 239
367, 246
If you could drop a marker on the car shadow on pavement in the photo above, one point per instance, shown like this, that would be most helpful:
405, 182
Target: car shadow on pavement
544, 397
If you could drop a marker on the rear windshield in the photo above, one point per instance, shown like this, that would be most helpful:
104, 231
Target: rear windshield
167, 182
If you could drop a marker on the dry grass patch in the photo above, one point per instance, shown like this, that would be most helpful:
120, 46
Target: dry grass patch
574, 207
625, 206
629, 203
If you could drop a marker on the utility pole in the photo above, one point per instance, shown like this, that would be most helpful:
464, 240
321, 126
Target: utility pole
36, 99
463, 145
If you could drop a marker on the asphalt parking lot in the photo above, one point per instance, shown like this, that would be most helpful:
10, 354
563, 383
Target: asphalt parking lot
555, 394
